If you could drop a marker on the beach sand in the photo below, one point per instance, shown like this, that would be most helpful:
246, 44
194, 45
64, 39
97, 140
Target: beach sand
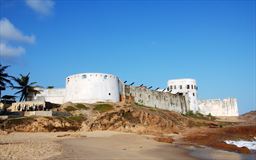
100, 145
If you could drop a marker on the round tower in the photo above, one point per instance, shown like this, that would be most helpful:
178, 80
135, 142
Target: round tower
92, 87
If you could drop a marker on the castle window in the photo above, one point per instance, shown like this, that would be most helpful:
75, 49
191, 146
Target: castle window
191, 86
194, 86
105, 77
167, 88
109, 94
187, 86
193, 94
180, 86
171, 87
84, 76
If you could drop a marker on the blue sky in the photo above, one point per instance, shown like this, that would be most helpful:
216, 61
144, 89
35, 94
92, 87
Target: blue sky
146, 42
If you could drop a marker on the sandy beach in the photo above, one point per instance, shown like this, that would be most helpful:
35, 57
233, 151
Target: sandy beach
101, 145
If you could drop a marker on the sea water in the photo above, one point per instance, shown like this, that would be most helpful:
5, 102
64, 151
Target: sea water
251, 145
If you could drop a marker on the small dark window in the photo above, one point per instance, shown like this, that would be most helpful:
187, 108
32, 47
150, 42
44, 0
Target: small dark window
167, 88
191, 86
109, 94
174, 86
105, 77
193, 94
84, 76
194, 86
180, 86
171, 87
187, 86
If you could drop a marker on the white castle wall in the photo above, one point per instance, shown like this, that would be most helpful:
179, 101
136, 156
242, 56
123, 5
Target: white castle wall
180, 96
188, 88
54, 95
218, 107
156, 99
92, 87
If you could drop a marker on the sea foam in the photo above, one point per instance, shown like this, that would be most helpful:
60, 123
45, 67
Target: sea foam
251, 145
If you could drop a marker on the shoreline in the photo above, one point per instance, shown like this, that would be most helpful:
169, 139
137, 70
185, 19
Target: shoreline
102, 145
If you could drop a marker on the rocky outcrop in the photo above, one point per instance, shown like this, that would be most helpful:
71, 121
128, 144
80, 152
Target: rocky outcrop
137, 119
249, 117
40, 124
215, 137
118, 117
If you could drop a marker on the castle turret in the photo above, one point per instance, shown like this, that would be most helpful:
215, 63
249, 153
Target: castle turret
186, 87
92, 87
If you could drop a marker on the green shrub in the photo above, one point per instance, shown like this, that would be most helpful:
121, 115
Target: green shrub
103, 107
70, 108
200, 115
190, 113
81, 106
78, 118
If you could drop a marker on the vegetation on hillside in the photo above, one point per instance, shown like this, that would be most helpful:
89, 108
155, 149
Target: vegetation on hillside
74, 107
200, 115
103, 107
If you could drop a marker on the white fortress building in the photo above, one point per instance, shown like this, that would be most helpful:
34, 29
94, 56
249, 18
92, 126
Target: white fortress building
180, 94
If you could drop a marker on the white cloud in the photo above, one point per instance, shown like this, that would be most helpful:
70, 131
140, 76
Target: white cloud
10, 51
43, 7
11, 39
8, 32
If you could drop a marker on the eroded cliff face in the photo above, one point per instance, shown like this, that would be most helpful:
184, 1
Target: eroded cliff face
40, 124
139, 120
117, 117
218, 107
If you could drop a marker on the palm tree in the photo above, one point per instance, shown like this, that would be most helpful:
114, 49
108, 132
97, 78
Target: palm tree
24, 87
4, 78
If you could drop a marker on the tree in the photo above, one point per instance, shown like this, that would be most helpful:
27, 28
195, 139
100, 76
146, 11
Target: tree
24, 87
4, 78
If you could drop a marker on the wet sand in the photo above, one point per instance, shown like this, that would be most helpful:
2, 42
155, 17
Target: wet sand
101, 145
119, 146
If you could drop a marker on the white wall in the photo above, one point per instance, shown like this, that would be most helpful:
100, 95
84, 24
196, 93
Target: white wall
188, 88
54, 95
218, 107
100, 87
92, 87
156, 99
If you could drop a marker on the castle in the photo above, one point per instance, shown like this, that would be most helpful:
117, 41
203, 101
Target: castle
180, 94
